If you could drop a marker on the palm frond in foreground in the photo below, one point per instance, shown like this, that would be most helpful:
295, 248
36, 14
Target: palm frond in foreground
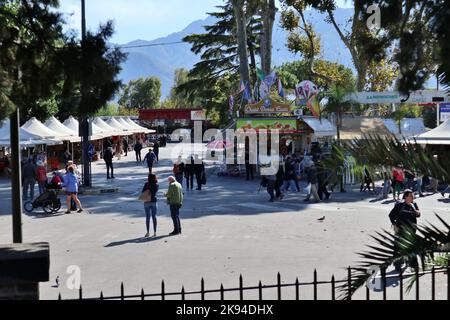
423, 244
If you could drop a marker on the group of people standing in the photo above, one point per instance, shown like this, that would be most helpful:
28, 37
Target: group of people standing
188, 169
289, 175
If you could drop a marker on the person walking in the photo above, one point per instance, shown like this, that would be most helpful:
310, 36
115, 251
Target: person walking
67, 157
137, 149
156, 150
268, 182
419, 184
71, 185
311, 178
178, 170
404, 220
150, 158
289, 176
279, 182
41, 177
322, 180
108, 156
199, 170
189, 173
367, 180
249, 166
397, 185
28, 179
386, 183
119, 150
125, 146
175, 201
150, 206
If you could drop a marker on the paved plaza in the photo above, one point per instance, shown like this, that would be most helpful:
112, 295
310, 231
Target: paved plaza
229, 228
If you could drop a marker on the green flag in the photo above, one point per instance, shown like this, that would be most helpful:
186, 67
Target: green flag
260, 74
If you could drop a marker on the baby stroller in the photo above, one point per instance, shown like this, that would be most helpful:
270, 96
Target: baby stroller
49, 201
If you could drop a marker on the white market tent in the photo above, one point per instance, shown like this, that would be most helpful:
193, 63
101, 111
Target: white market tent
104, 126
409, 127
131, 128
134, 124
97, 132
38, 128
121, 129
439, 135
27, 139
64, 132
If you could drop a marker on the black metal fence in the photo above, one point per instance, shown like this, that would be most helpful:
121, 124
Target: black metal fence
334, 286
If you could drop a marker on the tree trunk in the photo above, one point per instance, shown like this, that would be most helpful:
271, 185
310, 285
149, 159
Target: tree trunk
241, 27
251, 51
268, 18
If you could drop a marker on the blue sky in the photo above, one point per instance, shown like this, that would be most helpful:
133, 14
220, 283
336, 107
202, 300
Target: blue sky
142, 19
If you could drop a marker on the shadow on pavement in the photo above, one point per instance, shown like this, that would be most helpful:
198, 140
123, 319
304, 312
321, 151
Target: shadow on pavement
136, 241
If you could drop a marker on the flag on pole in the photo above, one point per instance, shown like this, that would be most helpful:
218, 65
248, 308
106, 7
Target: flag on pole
280, 89
231, 104
256, 92
260, 74
247, 95
270, 79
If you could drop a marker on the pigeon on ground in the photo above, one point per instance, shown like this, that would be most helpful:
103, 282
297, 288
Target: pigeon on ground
321, 219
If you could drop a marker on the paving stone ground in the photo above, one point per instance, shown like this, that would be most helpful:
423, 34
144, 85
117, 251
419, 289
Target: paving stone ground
229, 229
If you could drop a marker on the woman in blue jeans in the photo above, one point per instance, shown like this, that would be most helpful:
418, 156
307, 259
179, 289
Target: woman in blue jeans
151, 206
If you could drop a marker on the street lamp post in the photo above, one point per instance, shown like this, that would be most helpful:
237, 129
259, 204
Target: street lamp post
84, 124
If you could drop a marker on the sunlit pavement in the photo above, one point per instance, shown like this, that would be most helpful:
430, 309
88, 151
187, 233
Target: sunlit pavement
229, 228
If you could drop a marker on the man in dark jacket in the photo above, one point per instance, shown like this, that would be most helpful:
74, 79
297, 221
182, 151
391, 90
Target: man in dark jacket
156, 150
311, 178
125, 146
322, 180
29, 179
404, 219
150, 157
137, 149
189, 172
199, 170
108, 156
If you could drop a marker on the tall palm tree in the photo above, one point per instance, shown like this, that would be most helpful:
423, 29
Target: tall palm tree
338, 104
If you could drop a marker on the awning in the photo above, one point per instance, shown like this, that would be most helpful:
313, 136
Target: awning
321, 127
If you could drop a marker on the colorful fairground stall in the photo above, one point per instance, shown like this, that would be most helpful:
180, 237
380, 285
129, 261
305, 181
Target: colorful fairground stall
298, 133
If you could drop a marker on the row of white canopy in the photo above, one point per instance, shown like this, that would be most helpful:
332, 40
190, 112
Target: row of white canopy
34, 132
437, 136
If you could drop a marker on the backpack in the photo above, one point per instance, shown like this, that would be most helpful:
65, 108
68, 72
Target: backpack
176, 168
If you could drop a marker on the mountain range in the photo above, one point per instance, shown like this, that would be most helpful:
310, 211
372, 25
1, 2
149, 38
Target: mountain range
148, 58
